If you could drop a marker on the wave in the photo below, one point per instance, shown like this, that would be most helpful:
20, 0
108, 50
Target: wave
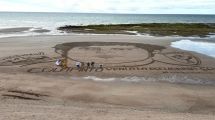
180, 79
27, 31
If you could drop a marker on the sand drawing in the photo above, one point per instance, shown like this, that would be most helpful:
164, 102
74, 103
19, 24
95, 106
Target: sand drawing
113, 56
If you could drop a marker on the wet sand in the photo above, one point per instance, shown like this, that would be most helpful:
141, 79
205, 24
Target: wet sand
31, 87
21, 30
14, 30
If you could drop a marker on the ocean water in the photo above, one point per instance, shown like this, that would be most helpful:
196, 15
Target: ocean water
196, 46
51, 21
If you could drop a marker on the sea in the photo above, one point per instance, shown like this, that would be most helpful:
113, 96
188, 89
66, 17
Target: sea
50, 21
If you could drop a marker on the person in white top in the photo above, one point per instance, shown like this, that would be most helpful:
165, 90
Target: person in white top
78, 64
58, 62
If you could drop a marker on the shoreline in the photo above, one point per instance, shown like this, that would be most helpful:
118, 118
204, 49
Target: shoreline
154, 29
142, 29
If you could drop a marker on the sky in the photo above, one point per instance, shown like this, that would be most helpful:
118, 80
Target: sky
112, 6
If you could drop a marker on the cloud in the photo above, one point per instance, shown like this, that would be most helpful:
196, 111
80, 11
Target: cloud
112, 6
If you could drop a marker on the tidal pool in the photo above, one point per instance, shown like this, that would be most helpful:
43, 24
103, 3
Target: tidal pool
199, 47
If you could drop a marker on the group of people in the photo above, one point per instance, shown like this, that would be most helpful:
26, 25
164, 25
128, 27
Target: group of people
63, 63
82, 64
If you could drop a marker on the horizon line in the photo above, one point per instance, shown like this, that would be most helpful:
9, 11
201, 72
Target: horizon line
107, 13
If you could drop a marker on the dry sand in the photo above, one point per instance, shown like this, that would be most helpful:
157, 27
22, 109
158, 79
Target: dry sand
159, 94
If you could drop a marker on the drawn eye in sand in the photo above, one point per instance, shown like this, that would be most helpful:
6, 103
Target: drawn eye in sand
179, 58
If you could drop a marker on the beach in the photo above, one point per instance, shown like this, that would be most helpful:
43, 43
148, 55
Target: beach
141, 77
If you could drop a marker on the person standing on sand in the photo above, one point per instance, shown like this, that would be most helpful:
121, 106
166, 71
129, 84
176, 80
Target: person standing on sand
101, 65
58, 62
78, 64
64, 63
88, 64
92, 64
82, 64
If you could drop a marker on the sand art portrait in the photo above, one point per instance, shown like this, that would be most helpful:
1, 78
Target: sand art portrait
110, 56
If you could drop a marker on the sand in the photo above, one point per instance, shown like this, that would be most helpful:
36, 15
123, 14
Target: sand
141, 78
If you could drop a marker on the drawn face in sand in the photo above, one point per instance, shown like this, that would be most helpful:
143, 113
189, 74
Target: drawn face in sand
25, 59
123, 54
